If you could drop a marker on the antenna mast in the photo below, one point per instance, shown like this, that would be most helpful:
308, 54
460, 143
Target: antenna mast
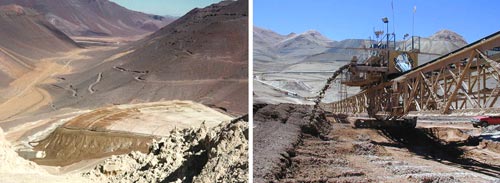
393, 20
413, 28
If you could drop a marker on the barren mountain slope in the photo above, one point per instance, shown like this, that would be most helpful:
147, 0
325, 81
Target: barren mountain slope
264, 43
202, 56
26, 38
266, 37
273, 51
298, 46
94, 17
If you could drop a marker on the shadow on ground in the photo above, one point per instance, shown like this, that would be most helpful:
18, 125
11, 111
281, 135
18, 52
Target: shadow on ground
424, 143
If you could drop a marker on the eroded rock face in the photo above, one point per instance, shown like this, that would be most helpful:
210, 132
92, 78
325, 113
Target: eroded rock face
219, 154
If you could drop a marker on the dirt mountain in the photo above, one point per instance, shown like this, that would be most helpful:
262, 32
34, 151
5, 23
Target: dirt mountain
202, 56
94, 17
268, 43
447, 35
310, 38
264, 42
271, 47
266, 38
26, 38
297, 46
440, 43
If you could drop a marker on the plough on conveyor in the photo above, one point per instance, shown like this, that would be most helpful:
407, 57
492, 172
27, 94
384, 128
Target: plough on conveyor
393, 84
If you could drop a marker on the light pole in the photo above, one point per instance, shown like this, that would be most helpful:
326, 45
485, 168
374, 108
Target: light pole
386, 21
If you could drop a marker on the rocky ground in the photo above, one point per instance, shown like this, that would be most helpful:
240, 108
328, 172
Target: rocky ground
190, 155
13, 168
205, 153
343, 154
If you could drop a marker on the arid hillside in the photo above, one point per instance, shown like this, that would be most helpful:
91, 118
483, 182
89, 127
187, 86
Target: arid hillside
202, 56
94, 17
26, 38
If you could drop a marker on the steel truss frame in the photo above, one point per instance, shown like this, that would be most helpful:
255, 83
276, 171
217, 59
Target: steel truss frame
464, 79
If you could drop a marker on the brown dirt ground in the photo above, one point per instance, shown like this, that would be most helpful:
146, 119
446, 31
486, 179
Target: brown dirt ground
285, 153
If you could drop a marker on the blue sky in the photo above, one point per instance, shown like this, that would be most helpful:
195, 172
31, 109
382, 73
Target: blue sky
341, 19
164, 7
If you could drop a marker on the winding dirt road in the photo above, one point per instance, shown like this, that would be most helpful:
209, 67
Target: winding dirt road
24, 94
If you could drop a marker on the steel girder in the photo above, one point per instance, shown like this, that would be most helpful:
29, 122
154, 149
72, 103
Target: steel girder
464, 79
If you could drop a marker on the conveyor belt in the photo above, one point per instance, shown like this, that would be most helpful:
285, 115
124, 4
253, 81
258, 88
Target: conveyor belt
417, 91
476, 43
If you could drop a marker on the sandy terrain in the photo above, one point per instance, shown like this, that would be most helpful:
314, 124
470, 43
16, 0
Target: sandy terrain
24, 94
157, 118
27, 38
343, 154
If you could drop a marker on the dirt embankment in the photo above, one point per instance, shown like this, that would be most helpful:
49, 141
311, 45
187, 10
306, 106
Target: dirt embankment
277, 131
218, 154
65, 146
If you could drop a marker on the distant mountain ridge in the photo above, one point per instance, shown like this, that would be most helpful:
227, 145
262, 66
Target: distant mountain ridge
269, 45
94, 17
272, 49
